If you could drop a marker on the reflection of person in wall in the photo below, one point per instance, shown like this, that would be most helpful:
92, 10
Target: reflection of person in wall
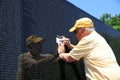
99, 59
32, 64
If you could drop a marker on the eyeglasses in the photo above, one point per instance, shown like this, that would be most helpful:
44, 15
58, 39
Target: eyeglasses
77, 30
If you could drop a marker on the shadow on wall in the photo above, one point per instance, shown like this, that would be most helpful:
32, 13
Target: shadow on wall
115, 44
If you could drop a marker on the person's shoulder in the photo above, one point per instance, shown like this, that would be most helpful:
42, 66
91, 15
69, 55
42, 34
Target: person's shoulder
46, 54
25, 54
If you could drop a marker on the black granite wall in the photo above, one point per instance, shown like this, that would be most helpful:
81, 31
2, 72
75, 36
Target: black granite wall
10, 38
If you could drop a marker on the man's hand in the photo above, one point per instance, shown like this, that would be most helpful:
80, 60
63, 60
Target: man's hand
66, 41
61, 48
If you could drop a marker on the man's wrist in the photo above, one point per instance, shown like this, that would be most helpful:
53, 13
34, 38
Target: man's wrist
60, 56
60, 52
71, 46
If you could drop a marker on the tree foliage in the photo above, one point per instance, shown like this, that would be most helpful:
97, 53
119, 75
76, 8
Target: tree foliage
111, 21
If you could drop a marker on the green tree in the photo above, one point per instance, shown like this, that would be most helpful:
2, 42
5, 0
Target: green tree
111, 21
105, 17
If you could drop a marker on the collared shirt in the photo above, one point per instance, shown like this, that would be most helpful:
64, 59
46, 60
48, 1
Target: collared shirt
99, 59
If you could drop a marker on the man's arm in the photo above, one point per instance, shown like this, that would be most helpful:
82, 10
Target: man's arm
63, 55
31, 63
21, 74
66, 57
71, 46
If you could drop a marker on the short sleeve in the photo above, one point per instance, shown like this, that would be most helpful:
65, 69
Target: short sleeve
81, 49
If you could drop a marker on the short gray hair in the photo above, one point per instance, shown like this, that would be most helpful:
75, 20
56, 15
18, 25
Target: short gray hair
90, 29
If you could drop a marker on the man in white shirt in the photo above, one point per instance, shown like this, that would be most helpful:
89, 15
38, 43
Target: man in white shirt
99, 59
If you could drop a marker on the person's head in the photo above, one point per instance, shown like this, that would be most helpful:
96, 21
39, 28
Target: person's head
82, 27
34, 43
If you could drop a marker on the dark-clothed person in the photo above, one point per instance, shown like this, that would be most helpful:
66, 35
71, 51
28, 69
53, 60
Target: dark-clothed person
33, 65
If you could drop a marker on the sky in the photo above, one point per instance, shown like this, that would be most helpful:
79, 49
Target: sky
97, 8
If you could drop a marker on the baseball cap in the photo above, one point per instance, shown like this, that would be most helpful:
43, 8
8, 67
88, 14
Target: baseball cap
82, 22
33, 39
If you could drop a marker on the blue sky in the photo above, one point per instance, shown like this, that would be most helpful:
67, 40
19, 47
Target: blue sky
98, 7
